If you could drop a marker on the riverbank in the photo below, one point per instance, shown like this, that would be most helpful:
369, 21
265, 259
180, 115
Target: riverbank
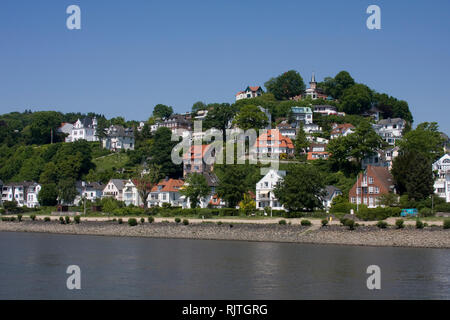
369, 235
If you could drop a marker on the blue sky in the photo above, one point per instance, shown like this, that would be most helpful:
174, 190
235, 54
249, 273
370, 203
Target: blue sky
132, 55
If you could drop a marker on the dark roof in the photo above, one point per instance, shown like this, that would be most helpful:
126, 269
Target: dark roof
119, 131
330, 190
24, 184
90, 185
389, 121
87, 122
211, 179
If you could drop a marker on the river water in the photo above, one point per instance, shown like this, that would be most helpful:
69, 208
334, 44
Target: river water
33, 266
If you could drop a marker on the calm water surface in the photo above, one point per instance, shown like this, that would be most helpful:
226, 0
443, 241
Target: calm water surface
33, 266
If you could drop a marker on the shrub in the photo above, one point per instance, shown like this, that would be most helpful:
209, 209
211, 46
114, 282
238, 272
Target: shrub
419, 224
282, 222
378, 213
19, 217
151, 219
142, 220
305, 223
132, 222
400, 223
350, 223
177, 220
342, 221
447, 224
342, 207
77, 219
120, 221
33, 217
47, 219
324, 222
185, 222
67, 218
219, 223
443, 207
426, 212
382, 224
61, 220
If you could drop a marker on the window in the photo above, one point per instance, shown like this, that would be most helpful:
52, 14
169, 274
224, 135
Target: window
377, 190
371, 179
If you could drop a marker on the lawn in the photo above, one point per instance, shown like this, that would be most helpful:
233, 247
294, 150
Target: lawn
111, 162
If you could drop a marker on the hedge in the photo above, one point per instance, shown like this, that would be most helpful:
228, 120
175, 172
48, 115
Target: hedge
378, 213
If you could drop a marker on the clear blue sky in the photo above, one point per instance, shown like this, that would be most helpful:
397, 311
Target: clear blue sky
132, 55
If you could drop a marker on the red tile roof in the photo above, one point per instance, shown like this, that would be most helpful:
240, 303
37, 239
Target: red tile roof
196, 152
274, 135
170, 185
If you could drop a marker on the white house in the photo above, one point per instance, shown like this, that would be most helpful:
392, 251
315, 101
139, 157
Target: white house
327, 110
302, 114
167, 191
249, 92
287, 130
66, 128
88, 190
24, 193
114, 189
131, 194
442, 183
265, 196
118, 138
390, 130
331, 193
272, 142
341, 130
84, 129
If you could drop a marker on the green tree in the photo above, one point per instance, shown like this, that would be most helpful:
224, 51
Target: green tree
48, 195
425, 139
364, 141
199, 105
162, 111
356, 99
301, 142
336, 86
219, 117
251, 117
287, 85
195, 188
301, 189
49, 174
248, 205
413, 175
160, 153
67, 191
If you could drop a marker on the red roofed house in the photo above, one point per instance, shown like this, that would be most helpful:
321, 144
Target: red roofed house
166, 191
200, 158
341, 130
318, 151
372, 183
250, 92
273, 142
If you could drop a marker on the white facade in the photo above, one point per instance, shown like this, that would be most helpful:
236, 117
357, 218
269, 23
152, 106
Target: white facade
265, 196
84, 129
249, 92
390, 130
131, 194
302, 114
442, 183
25, 194
119, 138
114, 189
88, 191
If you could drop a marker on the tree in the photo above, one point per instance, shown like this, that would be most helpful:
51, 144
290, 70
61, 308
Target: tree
160, 153
425, 139
287, 85
49, 174
247, 204
356, 99
235, 180
219, 117
301, 189
301, 142
413, 175
251, 117
145, 182
199, 105
363, 142
67, 191
195, 188
336, 86
48, 195
388, 199
162, 111
43, 125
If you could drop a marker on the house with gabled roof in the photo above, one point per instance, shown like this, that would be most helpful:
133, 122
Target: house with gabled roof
84, 129
265, 196
249, 92
273, 142
341, 130
370, 185
118, 138
114, 189
24, 193
199, 159
442, 182
167, 191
